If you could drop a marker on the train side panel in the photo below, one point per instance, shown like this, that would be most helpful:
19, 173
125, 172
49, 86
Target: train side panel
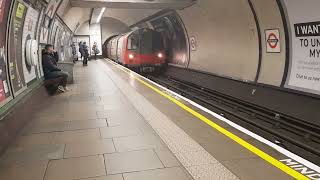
114, 49
121, 48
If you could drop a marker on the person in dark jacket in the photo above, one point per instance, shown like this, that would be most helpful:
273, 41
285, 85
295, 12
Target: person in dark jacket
85, 53
81, 49
74, 52
51, 70
55, 56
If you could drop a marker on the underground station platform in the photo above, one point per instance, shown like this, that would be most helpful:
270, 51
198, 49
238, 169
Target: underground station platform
117, 125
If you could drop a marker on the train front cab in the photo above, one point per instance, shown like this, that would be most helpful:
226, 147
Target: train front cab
143, 51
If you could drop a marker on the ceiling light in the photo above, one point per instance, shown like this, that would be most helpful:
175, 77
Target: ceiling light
100, 15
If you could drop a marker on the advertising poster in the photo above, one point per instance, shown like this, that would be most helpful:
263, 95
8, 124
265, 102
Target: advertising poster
67, 46
15, 41
44, 33
304, 21
53, 33
38, 37
29, 32
57, 39
4, 11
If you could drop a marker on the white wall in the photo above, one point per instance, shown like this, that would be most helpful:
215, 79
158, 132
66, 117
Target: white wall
228, 41
227, 38
111, 26
64, 8
75, 16
92, 30
129, 16
273, 64
95, 36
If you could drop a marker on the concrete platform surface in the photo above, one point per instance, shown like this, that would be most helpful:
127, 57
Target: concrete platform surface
111, 127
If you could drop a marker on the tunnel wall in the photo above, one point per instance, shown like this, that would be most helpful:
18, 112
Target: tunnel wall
252, 41
93, 31
111, 27
76, 16
228, 42
226, 36
230, 52
272, 64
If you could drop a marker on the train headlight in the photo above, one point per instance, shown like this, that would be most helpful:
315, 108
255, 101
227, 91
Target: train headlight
131, 56
160, 55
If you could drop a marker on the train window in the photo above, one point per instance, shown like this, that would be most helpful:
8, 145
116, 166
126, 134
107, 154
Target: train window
133, 42
151, 42
146, 42
157, 43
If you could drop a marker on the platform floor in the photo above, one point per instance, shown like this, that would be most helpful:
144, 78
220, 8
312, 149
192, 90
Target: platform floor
111, 127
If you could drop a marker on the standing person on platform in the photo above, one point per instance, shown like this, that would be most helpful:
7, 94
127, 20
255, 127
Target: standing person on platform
51, 70
95, 50
74, 52
85, 53
81, 49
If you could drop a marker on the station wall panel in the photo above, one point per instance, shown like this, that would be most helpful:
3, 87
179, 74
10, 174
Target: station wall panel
22, 27
272, 64
226, 36
5, 93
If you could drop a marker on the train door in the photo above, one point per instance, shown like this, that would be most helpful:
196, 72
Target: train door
113, 49
134, 42
120, 49
145, 42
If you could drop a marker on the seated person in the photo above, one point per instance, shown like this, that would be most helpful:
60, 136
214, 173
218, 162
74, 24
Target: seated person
51, 70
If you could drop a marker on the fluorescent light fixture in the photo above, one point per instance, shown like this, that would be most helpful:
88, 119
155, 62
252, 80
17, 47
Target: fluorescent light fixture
100, 15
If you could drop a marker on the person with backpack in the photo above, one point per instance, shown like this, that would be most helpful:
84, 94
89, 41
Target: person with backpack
74, 52
85, 50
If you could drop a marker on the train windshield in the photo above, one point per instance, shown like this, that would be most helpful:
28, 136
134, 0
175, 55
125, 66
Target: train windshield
151, 42
133, 42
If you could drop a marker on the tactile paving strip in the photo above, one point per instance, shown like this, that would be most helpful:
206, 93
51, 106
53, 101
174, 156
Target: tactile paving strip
198, 162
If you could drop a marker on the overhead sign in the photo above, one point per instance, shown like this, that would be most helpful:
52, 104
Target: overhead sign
273, 41
304, 69
20, 10
193, 43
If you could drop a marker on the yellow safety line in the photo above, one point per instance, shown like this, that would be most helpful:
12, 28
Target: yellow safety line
227, 133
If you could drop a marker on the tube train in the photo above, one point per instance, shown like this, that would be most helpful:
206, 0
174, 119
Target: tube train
141, 50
